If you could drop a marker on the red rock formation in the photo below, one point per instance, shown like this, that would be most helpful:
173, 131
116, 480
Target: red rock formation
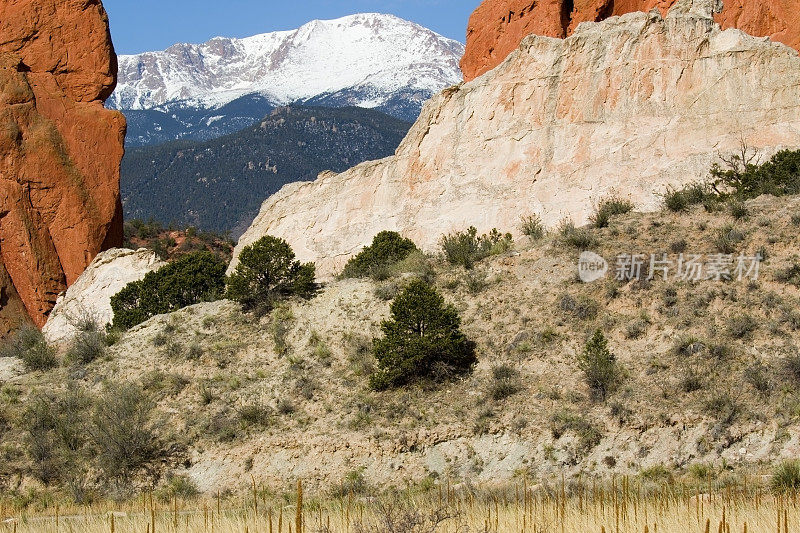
60, 150
497, 26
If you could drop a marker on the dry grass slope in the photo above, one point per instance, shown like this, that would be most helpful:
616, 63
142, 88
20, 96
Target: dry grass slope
710, 373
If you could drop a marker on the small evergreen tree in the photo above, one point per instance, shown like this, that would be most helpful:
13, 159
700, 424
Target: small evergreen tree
423, 339
193, 278
387, 249
599, 365
267, 273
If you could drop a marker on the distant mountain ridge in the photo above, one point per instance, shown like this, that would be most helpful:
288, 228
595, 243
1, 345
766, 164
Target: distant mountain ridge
367, 60
219, 184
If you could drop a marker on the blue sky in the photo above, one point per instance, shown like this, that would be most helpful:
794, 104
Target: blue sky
142, 25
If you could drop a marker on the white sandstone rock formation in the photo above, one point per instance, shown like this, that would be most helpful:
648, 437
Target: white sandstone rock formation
90, 296
628, 106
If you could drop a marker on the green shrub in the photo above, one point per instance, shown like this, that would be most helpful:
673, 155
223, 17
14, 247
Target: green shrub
124, 432
579, 238
790, 274
113, 336
255, 414
743, 179
505, 382
193, 278
532, 227
679, 246
56, 435
76, 439
476, 281
599, 365
86, 347
173, 349
688, 345
353, 484
223, 427
163, 383
670, 297
786, 477
722, 407
280, 325
588, 434
207, 395
178, 486
656, 473
758, 376
738, 210
466, 248
607, 208
360, 357
791, 366
728, 239
691, 381
637, 328
582, 308
702, 471
741, 325
29, 345
421, 340
483, 421
320, 350
268, 273
387, 291
194, 352
375, 260
285, 406
418, 265
677, 200
723, 352
160, 339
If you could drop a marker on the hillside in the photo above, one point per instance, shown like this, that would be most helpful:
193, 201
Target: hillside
368, 60
149, 127
710, 370
170, 243
218, 185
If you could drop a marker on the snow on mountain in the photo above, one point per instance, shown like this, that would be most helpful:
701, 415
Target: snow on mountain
369, 60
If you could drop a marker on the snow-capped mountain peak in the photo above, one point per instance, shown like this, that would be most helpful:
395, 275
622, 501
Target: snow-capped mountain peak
367, 59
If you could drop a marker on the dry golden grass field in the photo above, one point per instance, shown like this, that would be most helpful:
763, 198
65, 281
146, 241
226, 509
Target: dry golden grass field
621, 505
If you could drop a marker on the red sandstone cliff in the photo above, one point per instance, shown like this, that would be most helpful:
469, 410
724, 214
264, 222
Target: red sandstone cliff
497, 26
60, 150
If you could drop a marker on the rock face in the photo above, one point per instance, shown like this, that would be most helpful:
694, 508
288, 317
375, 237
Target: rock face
629, 106
498, 26
60, 150
90, 296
